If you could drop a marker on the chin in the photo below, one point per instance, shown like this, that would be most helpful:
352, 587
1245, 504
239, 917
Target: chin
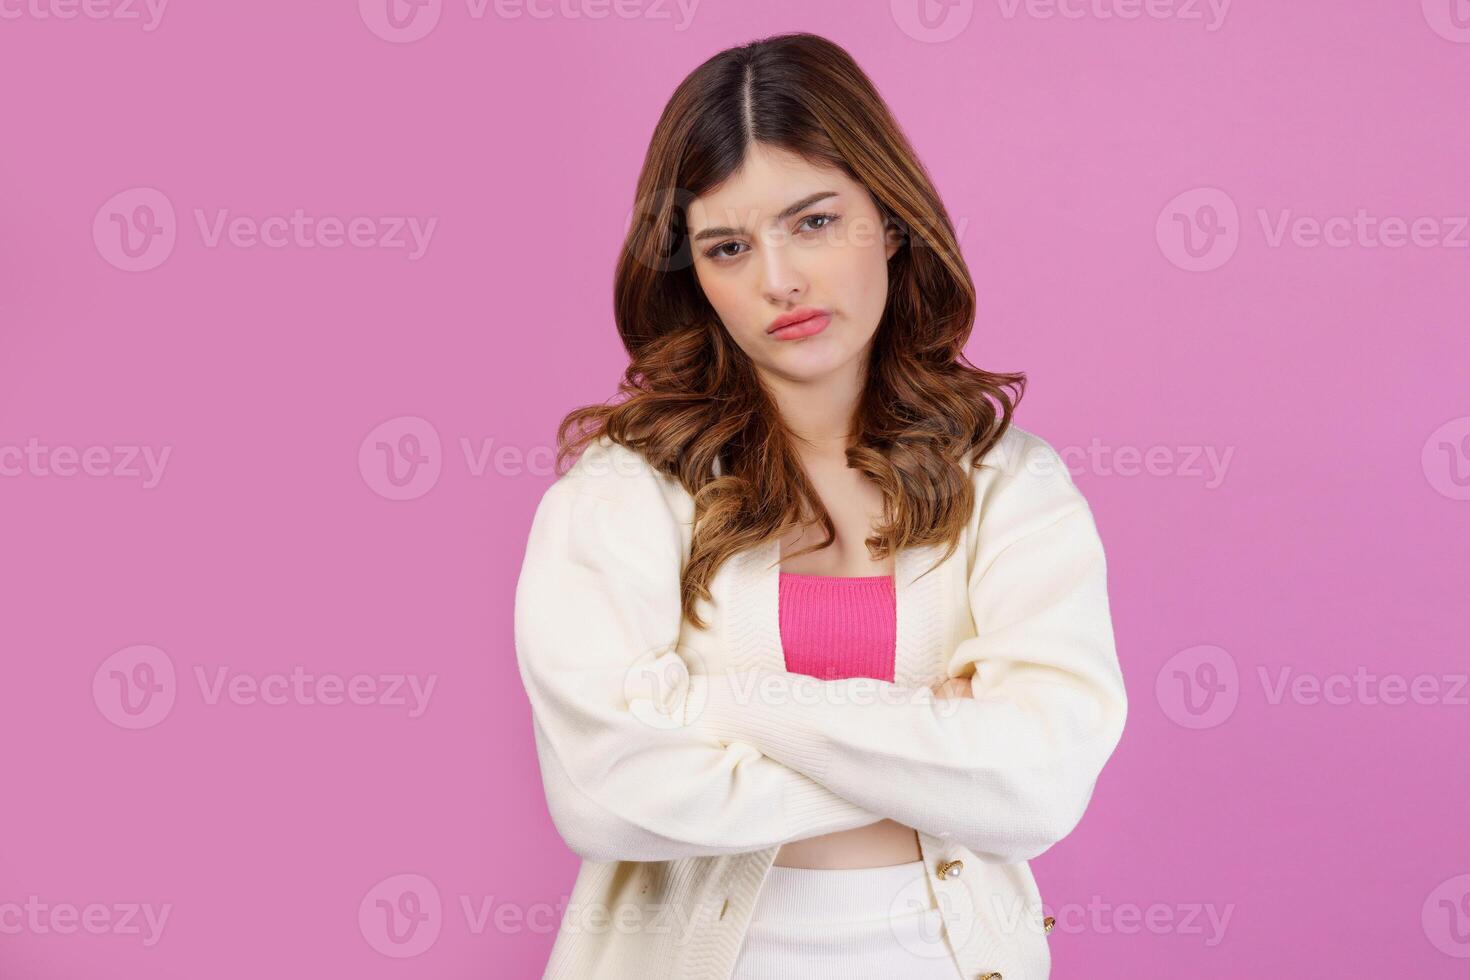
808, 362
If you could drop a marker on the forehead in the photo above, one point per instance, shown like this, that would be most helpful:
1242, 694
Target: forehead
769, 180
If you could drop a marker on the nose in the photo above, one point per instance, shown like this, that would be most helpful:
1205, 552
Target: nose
782, 278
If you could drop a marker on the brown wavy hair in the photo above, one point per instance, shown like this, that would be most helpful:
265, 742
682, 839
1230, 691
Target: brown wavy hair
691, 394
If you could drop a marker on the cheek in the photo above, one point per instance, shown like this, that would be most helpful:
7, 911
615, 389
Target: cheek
863, 274
731, 306
717, 293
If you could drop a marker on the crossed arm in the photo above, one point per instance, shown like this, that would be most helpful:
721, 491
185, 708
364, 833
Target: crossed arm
729, 763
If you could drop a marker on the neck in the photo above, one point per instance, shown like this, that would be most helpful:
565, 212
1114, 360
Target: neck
819, 413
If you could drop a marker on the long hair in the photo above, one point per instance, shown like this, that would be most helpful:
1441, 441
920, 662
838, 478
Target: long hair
690, 394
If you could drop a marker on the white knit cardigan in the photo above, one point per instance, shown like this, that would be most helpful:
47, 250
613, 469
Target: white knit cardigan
676, 761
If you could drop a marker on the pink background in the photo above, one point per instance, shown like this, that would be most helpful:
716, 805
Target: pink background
1332, 835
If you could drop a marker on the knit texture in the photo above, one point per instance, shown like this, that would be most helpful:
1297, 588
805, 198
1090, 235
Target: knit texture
676, 760
836, 626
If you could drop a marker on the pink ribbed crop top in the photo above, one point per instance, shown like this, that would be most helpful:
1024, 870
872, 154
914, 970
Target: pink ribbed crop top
834, 626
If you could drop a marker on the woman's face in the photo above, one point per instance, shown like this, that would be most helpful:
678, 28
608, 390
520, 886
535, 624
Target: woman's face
783, 235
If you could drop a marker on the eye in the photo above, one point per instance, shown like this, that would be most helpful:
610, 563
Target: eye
828, 218
718, 251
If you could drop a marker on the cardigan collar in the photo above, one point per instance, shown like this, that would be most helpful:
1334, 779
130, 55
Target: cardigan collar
753, 628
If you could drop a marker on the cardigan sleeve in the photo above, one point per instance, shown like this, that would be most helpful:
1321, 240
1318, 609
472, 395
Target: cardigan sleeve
1008, 772
597, 621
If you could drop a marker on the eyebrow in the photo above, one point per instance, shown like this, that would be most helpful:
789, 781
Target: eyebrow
800, 205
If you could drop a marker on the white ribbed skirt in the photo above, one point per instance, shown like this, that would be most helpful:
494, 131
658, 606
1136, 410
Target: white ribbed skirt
846, 924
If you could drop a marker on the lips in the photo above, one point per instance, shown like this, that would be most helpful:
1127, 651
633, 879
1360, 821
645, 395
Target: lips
802, 322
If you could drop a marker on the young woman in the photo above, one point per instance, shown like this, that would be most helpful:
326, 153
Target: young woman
817, 643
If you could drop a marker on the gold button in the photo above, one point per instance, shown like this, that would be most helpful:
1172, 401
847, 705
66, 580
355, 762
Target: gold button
1049, 922
990, 976
951, 869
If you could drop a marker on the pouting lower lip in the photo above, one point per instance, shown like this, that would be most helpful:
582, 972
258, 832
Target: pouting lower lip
796, 323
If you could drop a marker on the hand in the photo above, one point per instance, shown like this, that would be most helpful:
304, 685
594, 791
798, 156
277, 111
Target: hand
953, 687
